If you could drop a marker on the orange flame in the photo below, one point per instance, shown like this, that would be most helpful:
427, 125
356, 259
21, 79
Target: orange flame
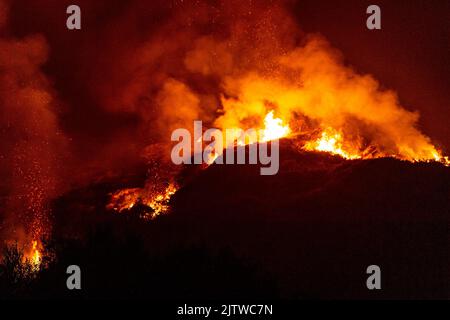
36, 257
125, 199
33, 257
312, 90
274, 128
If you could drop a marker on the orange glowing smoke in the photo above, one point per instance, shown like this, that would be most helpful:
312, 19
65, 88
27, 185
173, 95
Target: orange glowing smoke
259, 71
260, 61
345, 113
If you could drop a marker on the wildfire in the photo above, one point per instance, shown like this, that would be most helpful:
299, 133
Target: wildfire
126, 199
282, 89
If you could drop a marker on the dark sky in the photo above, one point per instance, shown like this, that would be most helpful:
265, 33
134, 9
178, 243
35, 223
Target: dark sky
411, 54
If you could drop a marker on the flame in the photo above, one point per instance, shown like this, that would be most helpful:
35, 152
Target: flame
273, 128
331, 141
36, 257
159, 203
125, 199
33, 257
284, 87
314, 91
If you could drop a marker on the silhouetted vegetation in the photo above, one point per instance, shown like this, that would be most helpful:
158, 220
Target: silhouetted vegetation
308, 232
126, 268
16, 272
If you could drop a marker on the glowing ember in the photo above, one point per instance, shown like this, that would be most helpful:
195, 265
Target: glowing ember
126, 199
159, 203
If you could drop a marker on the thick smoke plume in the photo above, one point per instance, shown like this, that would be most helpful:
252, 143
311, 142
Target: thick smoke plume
229, 63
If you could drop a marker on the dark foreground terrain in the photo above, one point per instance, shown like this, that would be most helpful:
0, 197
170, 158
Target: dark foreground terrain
308, 232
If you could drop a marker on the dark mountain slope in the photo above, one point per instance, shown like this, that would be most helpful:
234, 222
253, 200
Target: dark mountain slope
308, 232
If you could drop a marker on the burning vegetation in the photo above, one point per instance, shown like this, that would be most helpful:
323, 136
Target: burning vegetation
262, 73
152, 204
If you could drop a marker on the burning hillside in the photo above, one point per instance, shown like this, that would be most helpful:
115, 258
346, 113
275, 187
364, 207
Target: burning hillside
287, 86
309, 229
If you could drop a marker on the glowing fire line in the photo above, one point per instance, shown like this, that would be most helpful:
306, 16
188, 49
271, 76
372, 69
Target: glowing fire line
331, 142
125, 199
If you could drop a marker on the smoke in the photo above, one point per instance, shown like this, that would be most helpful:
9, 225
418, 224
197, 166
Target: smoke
31, 143
231, 62
313, 82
